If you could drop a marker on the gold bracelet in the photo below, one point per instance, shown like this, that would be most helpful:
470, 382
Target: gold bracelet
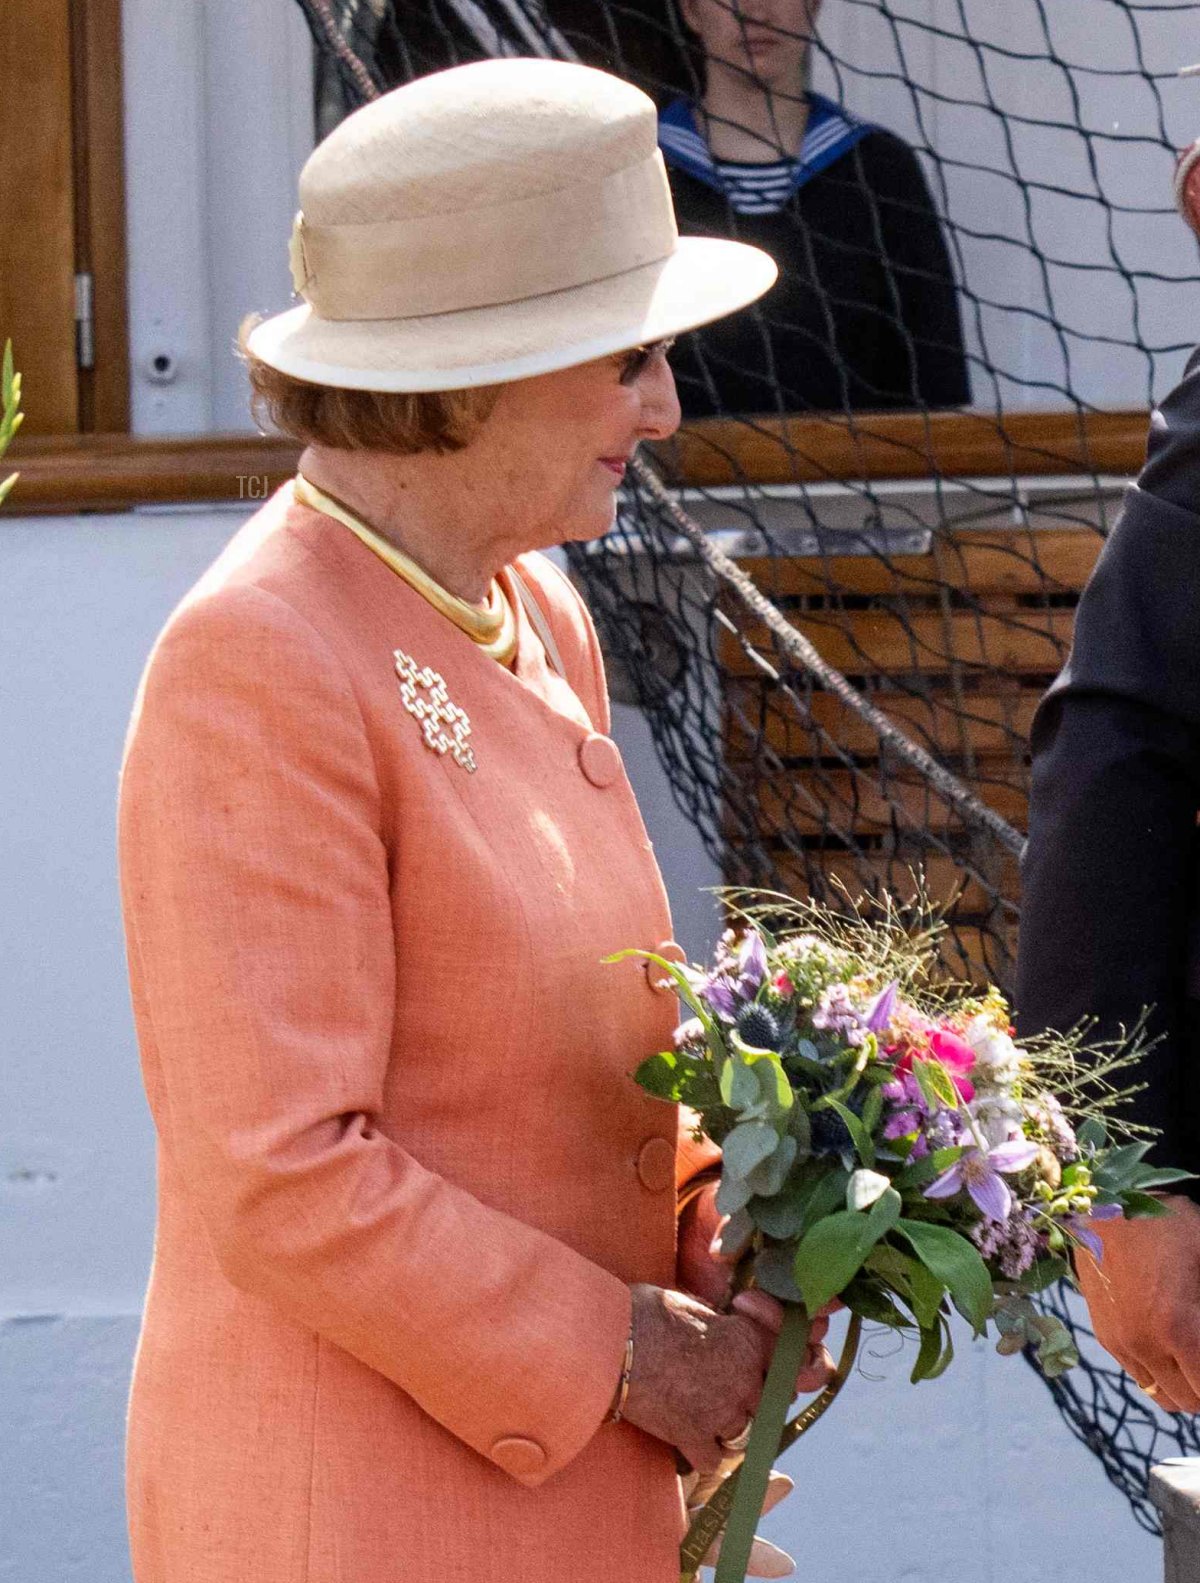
618, 1406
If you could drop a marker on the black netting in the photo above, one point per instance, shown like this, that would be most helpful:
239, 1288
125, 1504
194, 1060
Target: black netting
914, 446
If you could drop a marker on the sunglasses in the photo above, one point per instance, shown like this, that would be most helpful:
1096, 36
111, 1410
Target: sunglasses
635, 362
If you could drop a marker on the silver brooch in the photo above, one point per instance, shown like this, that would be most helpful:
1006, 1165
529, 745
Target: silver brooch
444, 725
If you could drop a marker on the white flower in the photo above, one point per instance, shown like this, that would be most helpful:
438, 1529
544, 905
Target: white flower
997, 1117
997, 1058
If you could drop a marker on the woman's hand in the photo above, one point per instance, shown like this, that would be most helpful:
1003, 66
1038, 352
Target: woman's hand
702, 1270
697, 1375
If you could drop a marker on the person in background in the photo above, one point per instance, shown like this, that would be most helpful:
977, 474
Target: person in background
1109, 918
865, 314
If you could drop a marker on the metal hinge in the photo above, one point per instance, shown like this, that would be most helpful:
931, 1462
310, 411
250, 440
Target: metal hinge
85, 327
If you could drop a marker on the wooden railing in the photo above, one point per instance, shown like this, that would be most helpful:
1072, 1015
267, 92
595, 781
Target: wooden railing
111, 471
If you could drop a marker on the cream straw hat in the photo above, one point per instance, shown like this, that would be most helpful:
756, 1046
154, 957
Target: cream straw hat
490, 222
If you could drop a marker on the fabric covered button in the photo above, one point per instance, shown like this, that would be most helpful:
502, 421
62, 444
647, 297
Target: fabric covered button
656, 1164
518, 1456
659, 981
599, 759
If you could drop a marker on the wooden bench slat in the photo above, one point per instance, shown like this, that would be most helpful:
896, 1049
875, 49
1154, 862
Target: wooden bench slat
988, 723
1026, 561
868, 642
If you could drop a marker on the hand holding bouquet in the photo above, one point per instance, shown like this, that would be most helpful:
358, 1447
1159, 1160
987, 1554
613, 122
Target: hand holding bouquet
886, 1142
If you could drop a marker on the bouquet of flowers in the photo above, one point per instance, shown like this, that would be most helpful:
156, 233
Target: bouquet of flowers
887, 1142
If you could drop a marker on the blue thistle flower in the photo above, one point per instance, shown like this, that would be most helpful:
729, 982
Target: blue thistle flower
758, 1027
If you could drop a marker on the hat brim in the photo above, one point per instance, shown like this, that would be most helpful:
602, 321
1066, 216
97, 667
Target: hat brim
703, 279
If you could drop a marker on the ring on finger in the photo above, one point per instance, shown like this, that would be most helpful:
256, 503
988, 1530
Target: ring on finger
737, 1442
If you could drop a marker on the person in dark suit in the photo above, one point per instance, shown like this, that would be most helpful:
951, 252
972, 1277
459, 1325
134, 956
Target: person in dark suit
1110, 910
865, 314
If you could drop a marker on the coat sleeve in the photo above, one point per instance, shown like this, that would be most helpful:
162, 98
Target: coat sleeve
1109, 875
256, 895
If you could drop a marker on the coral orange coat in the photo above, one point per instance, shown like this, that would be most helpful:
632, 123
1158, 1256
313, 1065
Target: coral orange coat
404, 1176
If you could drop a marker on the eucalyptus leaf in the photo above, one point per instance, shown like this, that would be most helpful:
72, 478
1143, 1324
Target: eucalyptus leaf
773, 1272
739, 1086
748, 1145
733, 1193
768, 1178
957, 1264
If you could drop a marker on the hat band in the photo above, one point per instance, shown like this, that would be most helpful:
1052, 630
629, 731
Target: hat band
446, 263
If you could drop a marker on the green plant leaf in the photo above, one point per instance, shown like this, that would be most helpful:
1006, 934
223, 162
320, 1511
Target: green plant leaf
748, 1145
1092, 1134
733, 1193
1140, 1206
957, 1264
927, 1292
934, 1354
833, 1250
872, 1112
1148, 1176
1116, 1168
6, 485
767, 1178
937, 1090
861, 1138
924, 1170
1044, 1273
738, 1084
773, 1272
659, 1075
868, 1299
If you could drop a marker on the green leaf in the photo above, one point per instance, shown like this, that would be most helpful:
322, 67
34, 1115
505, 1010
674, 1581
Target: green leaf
768, 1178
924, 1170
957, 1264
859, 1135
773, 1272
748, 1145
937, 1090
1116, 1168
684, 990
1147, 1176
733, 1193
873, 1111
936, 1351
1044, 1273
1092, 1134
833, 1250
782, 1216
659, 1075
927, 1293
866, 1298
738, 1084
1140, 1206
773, 1086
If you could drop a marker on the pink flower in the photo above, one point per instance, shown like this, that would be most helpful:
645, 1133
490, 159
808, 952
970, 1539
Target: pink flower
782, 985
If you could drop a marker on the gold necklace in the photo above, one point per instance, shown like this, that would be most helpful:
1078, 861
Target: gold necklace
493, 627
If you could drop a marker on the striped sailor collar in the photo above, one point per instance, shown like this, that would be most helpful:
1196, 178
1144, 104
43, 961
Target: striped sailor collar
831, 132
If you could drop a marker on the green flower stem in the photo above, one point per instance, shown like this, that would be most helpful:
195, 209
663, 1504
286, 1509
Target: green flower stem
765, 1436
711, 1518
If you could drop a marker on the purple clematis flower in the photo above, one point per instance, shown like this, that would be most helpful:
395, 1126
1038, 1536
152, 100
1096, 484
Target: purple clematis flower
718, 992
1078, 1226
880, 1013
752, 964
980, 1173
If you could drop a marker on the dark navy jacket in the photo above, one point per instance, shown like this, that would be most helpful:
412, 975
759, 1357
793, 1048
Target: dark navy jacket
1109, 910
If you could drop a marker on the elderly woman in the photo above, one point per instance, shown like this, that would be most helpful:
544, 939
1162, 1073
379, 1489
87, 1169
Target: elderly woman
416, 1309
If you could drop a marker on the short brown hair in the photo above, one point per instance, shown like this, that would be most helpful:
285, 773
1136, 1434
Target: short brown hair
400, 422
